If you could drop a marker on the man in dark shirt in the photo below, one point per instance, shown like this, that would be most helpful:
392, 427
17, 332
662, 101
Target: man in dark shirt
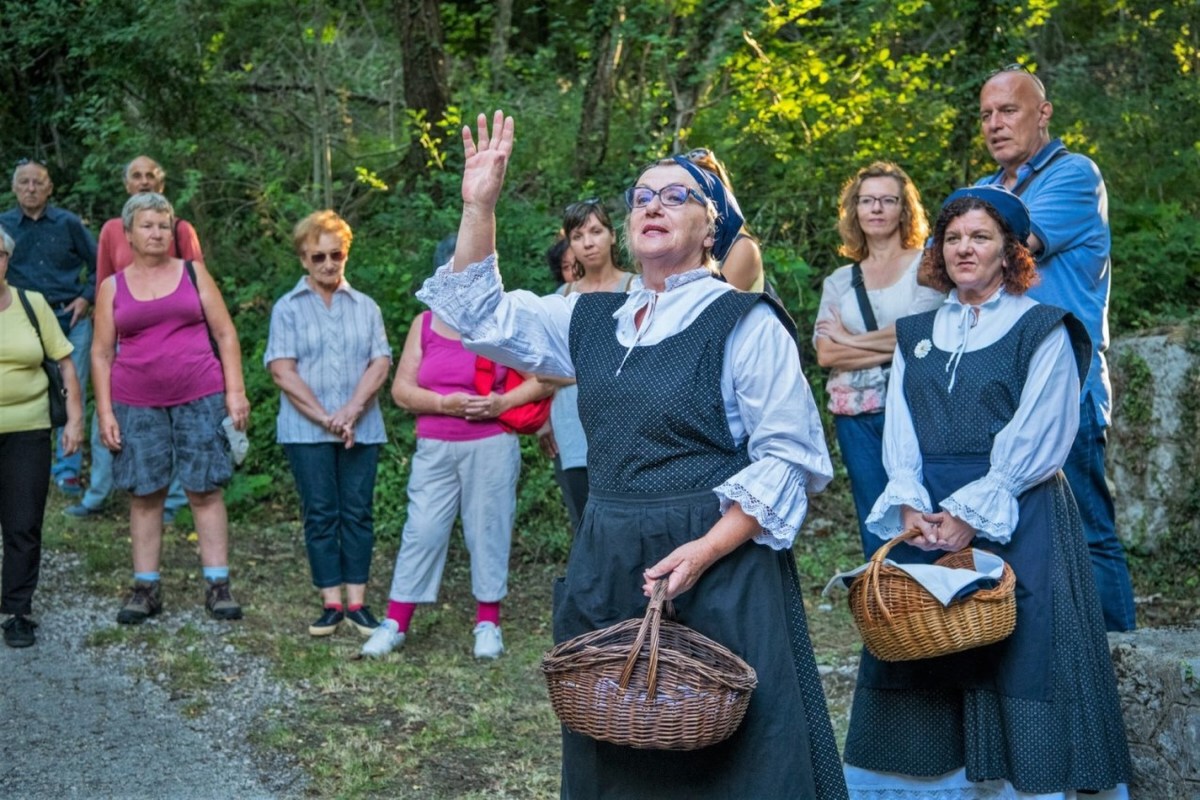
55, 255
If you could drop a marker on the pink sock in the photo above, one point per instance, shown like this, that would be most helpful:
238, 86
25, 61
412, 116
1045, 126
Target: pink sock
402, 613
334, 606
488, 612
353, 606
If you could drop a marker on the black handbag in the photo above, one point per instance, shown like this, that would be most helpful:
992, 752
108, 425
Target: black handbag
58, 387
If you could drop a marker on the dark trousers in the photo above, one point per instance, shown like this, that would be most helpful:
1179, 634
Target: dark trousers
574, 485
1085, 474
860, 439
337, 493
24, 481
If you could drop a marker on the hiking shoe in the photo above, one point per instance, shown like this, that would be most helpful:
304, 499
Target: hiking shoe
488, 641
18, 631
362, 620
80, 511
218, 602
327, 623
386, 638
145, 600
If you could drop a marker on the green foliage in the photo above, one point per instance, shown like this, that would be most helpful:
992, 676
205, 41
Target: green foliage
262, 110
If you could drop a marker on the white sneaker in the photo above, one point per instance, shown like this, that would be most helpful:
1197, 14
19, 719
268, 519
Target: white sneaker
488, 641
386, 638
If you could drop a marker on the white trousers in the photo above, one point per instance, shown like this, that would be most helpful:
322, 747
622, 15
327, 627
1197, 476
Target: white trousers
477, 479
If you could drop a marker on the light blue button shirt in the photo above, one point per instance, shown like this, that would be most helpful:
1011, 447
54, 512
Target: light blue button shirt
332, 347
1068, 209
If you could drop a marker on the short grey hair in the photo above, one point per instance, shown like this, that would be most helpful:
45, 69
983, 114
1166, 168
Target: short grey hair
6, 241
145, 201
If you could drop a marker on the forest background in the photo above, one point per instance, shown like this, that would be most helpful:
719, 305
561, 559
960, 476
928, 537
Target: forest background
264, 110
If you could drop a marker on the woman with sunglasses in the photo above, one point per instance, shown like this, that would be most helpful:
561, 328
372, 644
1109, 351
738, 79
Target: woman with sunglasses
883, 227
162, 398
703, 441
740, 261
328, 353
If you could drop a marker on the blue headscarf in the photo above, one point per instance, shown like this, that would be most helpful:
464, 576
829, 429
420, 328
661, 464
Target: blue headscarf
729, 215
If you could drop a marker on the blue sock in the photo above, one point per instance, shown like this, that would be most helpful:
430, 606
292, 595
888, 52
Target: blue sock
146, 577
216, 574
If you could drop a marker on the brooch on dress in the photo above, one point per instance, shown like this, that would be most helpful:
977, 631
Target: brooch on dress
922, 349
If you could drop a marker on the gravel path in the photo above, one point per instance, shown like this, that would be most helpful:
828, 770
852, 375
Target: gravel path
83, 722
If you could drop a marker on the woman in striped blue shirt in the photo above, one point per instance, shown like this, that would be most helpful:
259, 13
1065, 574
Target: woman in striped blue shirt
328, 353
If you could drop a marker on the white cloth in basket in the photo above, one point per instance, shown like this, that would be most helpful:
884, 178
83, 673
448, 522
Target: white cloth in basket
944, 583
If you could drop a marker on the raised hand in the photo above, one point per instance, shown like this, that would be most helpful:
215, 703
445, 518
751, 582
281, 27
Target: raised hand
486, 160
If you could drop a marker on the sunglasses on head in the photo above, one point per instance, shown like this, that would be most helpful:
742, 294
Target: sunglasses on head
1015, 67
336, 256
582, 205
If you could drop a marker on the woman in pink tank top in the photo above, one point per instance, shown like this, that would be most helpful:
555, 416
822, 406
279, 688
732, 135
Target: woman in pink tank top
161, 399
465, 463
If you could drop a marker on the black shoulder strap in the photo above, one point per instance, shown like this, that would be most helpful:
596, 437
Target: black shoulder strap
191, 271
864, 303
32, 318
1024, 182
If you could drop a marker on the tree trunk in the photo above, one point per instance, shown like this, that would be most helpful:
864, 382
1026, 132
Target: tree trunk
592, 141
424, 65
693, 79
499, 49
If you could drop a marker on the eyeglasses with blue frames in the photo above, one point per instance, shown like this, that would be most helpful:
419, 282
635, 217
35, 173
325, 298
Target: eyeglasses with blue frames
671, 195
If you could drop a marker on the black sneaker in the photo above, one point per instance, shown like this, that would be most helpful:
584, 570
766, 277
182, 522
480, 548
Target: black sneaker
327, 623
18, 631
145, 600
363, 620
219, 602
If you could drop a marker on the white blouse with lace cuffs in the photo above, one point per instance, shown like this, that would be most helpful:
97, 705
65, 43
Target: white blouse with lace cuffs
1028, 450
767, 400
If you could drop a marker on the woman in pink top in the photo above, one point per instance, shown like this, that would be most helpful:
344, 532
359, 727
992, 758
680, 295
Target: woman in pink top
161, 400
465, 463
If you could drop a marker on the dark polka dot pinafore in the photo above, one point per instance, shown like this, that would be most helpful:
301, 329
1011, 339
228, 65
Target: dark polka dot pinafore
1039, 709
658, 443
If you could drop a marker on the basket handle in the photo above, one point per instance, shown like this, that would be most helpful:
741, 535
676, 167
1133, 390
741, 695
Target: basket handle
651, 622
871, 576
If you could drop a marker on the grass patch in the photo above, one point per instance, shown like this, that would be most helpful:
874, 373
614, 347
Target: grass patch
426, 722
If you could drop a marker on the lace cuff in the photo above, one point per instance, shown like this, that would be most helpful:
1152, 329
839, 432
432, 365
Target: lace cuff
884, 520
988, 505
464, 300
774, 493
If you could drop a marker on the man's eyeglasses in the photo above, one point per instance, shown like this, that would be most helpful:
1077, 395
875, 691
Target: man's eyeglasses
869, 201
671, 195
23, 161
336, 256
1015, 67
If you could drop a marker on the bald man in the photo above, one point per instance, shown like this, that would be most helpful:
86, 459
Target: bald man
142, 174
1068, 209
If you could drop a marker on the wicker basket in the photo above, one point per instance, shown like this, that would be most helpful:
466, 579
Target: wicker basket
900, 621
649, 683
